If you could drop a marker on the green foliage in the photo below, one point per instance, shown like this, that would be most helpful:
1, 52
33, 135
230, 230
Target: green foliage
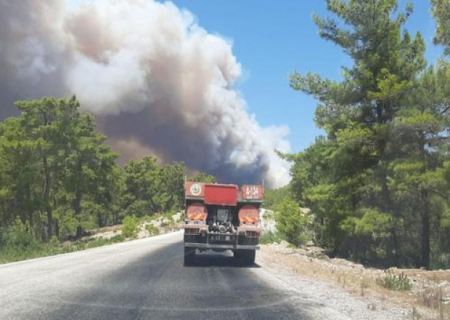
68, 223
372, 223
202, 177
292, 223
54, 162
58, 179
130, 226
152, 230
377, 182
395, 282
442, 261
17, 253
271, 237
19, 236
273, 197
54, 242
441, 12
152, 189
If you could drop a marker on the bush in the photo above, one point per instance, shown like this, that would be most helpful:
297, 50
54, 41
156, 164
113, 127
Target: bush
19, 236
292, 223
146, 218
271, 237
3, 236
395, 282
130, 226
16, 253
54, 242
152, 229
442, 261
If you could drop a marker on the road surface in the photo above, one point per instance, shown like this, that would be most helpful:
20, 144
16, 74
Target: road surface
143, 279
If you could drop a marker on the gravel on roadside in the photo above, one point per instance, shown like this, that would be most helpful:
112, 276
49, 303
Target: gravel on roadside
327, 299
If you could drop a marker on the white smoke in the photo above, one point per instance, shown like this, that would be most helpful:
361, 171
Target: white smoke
151, 75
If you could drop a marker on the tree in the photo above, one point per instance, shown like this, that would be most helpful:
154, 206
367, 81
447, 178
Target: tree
441, 12
88, 174
273, 197
19, 175
346, 176
151, 188
420, 130
292, 223
54, 162
202, 177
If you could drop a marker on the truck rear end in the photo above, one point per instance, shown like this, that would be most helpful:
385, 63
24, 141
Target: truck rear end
222, 217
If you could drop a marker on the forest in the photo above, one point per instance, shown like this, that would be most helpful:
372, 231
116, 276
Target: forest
58, 177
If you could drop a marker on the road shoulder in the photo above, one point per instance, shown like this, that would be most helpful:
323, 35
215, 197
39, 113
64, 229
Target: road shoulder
326, 299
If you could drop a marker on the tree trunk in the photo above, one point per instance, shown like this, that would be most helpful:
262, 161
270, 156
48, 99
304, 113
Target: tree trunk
425, 231
30, 211
79, 232
77, 211
425, 212
48, 209
388, 207
78, 198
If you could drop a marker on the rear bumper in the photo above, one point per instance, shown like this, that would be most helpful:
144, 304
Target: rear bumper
221, 246
198, 236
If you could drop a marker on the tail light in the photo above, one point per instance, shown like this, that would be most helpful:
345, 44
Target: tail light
248, 214
197, 211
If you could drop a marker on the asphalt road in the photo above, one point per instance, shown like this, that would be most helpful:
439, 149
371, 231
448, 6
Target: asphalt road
142, 279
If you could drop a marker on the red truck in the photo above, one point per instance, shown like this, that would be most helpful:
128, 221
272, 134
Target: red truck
222, 217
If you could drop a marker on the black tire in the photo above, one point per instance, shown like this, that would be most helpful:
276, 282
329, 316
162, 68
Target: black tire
189, 256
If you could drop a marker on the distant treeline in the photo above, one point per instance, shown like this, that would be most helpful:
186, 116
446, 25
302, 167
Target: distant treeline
58, 178
378, 181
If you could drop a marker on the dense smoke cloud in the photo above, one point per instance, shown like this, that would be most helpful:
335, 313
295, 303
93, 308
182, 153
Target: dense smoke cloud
154, 78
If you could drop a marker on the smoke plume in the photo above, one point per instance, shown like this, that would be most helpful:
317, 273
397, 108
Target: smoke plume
156, 80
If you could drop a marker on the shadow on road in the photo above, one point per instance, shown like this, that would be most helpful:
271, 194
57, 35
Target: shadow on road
203, 260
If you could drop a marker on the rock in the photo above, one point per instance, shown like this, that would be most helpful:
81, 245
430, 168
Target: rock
310, 243
284, 244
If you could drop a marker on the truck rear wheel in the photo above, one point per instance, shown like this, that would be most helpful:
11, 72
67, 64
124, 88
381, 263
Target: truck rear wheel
189, 256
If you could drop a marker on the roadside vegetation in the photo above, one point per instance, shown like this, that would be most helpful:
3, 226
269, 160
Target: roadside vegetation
378, 181
20, 245
58, 180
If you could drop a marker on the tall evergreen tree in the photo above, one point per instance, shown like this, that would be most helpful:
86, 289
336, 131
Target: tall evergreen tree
53, 159
359, 115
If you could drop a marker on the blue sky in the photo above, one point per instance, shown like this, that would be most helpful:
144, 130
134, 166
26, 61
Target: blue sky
271, 39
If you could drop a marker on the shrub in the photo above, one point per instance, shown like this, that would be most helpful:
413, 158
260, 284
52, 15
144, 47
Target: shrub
3, 236
271, 237
152, 229
292, 223
395, 282
442, 261
130, 226
19, 236
146, 218
54, 242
